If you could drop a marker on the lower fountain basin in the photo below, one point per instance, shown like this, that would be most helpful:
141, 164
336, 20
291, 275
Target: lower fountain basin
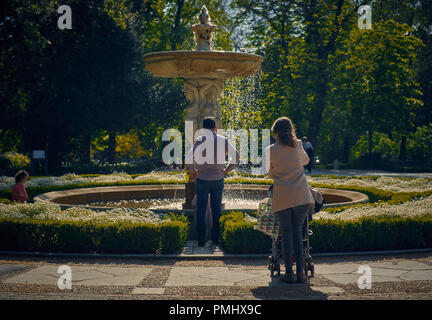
170, 197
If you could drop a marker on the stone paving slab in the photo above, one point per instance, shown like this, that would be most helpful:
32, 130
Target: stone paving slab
347, 278
336, 268
417, 275
385, 271
84, 275
7, 268
217, 276
195, 276
191, 249
402, 265
148, 291
188, 248
394, 273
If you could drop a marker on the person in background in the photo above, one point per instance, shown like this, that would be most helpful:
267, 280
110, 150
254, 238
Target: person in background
292, 199
210, 176
19, 192
307, 146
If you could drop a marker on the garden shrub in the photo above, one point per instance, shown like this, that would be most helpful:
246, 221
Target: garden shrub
240, 237
11, 162
364, 234
173, 236
89, 237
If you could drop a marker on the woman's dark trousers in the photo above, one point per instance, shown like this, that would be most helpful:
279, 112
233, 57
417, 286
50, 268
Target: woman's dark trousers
291, 223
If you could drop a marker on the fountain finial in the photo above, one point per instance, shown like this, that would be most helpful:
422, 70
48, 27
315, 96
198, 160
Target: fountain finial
204, 16
203, 30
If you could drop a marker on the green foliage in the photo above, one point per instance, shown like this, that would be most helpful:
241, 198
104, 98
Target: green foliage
419, 143
382, 144
337, 82
364, 234
173, 236
61, 89
90, 237
369, 233
239, 236
12, 162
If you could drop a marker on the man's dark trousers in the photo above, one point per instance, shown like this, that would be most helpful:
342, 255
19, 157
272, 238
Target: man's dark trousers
203, 189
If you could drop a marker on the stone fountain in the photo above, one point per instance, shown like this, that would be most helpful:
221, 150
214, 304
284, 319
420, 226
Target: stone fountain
204, 71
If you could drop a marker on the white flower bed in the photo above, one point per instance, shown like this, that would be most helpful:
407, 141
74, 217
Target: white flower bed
179, 177
250, 180
71, 178
383, 183
44, 210
414, 208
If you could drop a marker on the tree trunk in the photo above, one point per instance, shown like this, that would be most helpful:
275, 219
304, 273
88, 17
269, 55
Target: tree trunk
346, 149
174, 30
112, 146
54, 156
402, 149
370, 141
318, 109
85, 148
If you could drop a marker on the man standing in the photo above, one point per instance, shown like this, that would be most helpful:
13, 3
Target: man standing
207, 164
307, 146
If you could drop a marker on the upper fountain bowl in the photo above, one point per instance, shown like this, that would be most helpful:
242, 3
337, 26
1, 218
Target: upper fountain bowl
202, 64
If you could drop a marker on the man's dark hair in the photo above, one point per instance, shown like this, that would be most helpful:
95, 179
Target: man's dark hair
20, 176
209, 123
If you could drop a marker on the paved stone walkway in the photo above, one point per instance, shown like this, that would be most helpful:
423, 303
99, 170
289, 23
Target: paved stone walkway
399, 277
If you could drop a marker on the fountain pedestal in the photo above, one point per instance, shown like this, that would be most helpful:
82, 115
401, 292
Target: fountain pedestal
189, 195
202, 95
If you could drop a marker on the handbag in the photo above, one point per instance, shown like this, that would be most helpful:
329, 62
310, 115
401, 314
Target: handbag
318, 198
267, 222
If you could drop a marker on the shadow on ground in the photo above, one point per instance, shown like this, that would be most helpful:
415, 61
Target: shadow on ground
279, 290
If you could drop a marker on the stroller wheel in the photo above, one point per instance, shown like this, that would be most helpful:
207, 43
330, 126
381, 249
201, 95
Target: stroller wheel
272, 270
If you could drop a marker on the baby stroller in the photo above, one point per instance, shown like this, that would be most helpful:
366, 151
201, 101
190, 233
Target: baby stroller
276, 254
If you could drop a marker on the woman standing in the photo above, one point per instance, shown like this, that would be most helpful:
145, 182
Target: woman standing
292, 199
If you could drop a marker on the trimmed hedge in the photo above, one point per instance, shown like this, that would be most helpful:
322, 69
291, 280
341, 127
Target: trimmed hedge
89, 237
364, 234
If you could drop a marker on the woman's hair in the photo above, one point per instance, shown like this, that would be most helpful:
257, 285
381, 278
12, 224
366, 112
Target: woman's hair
20, 176
285, 130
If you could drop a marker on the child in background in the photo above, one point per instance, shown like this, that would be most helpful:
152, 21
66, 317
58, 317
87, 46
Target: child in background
19, 192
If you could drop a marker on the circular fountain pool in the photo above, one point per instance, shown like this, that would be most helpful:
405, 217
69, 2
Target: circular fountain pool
171, 197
